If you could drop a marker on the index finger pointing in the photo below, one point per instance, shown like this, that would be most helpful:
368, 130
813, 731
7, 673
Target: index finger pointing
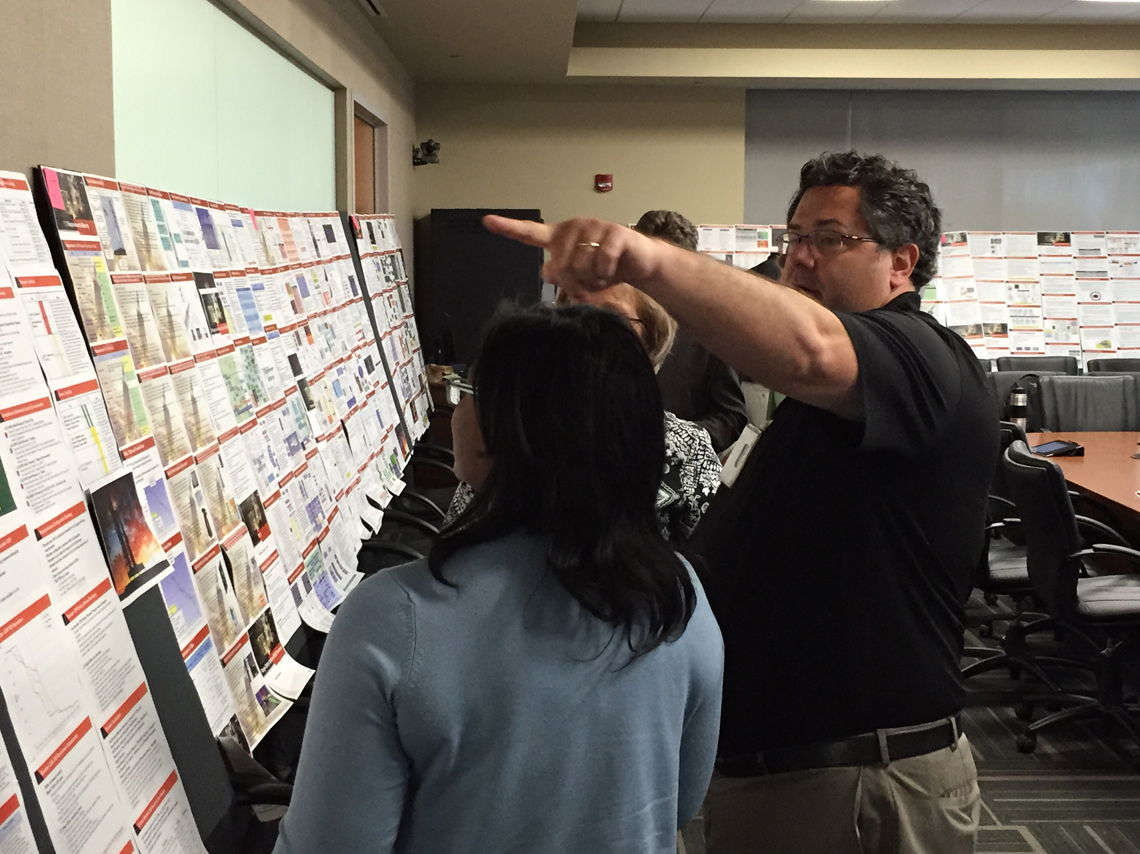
524, 231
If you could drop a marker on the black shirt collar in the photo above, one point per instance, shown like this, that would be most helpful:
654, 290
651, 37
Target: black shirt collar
906, 301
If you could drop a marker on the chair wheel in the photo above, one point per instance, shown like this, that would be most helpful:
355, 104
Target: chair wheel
1024, 712
985, 631
1027, 742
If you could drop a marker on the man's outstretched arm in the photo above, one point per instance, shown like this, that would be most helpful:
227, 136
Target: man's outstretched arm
780, 337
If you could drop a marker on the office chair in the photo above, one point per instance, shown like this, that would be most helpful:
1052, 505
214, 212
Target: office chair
433, 450
402, 537
417, 504
1003, 571
1001, 383
1037, 364
1089, 403
394, 517
1113, 366
1099, 610
1105, 372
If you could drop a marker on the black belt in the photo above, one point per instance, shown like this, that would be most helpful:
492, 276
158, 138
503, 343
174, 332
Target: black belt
882, 746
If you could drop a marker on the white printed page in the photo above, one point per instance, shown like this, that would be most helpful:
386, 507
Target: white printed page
22, 243
55, 333
111, 224
19, 368
83, 417
15, 830
36, 447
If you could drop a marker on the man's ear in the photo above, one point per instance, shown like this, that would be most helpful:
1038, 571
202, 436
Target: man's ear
903, 261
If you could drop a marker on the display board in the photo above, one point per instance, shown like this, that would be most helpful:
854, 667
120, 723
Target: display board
1020, 293
80, 706
743, 246
386, 283
1037, 293
205, 408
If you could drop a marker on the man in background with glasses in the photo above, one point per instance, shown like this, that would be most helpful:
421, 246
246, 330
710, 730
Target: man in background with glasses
840, 561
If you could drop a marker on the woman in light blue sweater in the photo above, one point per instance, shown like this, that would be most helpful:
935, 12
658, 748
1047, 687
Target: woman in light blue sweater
549, 679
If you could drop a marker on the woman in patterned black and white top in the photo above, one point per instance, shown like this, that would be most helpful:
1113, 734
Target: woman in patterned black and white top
692, 470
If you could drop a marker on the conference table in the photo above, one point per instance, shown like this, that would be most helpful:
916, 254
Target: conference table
1106, 474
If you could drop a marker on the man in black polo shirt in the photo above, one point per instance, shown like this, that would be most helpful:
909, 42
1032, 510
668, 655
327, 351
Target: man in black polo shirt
841, 561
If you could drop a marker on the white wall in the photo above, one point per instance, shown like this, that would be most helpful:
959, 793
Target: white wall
204, 107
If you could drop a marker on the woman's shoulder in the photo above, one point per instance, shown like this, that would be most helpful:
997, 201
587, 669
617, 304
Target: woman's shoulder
483, 562
702, 639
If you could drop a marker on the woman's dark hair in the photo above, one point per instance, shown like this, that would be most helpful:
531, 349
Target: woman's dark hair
898, 207
572, 420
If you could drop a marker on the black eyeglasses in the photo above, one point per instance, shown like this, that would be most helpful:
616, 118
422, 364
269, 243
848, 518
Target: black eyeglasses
824, 241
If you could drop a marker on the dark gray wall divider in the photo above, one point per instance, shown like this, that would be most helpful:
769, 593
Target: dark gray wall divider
996, 161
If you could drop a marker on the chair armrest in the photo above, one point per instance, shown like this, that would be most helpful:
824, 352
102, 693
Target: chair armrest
1009, 528
1008, 522
1130, 556
416, 522
410, 496
1101, 529
435, 451
430, 463
268, 793
392, 548
1109, 548
1001, 502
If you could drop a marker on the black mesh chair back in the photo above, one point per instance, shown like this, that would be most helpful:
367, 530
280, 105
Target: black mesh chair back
1089, 403
1039, 364
1113, 366
1105, 373
1008, 434
1049, 524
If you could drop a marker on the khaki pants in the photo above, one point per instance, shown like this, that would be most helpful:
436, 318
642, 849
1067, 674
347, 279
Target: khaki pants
922, 805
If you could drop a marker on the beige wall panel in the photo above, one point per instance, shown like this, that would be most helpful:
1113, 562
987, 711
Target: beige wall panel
518, 146
55, 85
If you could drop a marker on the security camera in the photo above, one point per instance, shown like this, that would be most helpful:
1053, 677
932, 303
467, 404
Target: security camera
425, 153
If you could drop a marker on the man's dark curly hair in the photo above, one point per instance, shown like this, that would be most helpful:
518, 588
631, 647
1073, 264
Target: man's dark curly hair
897, 206
670, 226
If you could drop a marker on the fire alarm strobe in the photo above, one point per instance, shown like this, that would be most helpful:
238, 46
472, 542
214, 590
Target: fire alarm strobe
603, 183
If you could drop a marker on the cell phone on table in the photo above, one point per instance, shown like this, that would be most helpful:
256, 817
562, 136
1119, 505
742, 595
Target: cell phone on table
1059, 448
